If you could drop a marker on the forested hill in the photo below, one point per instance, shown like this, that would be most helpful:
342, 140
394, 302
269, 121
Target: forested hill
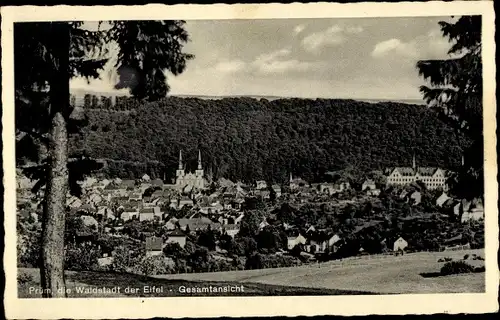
248, 139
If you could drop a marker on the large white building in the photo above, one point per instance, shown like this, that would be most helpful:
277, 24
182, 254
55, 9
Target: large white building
193, 180
434, 178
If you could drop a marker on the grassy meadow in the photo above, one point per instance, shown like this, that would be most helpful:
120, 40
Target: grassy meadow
381, 274
363, 275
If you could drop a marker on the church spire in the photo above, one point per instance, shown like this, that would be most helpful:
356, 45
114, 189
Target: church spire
180, 160
414, 163
199, 160
463, 161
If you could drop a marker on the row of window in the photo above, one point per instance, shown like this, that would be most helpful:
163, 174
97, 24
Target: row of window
429, 184
426, 180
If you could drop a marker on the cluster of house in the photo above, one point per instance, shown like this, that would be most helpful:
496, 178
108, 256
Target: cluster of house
466, 210
128, 200
319, 241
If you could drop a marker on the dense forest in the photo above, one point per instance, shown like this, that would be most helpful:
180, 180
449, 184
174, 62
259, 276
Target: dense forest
248, 139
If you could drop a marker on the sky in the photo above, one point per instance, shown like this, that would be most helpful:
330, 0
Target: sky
358, 58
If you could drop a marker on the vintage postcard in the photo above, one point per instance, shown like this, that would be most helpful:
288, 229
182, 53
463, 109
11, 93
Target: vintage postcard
249, 160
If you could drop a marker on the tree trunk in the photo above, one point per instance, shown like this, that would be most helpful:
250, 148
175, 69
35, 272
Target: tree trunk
52, 269
54, 215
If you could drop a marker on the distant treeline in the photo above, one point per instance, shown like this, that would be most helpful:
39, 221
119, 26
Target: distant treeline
248, 139
118, 103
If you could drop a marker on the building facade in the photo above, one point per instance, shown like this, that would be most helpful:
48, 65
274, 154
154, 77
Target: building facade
434, 178
194, 180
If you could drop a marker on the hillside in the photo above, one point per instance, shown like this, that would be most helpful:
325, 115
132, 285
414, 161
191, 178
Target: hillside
248, 139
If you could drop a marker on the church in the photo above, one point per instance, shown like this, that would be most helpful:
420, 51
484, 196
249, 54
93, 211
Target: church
191, 180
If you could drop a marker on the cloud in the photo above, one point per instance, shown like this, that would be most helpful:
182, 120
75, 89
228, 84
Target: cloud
286, 66
357, 29
231, 66
332, 36
316, 41
278, 62
394, 46
298, 29
430, 46
273, 55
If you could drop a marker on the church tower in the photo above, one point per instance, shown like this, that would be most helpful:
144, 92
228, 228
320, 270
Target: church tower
180, 171
199, 173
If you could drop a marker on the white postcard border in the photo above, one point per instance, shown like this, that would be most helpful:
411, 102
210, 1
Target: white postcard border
176, 307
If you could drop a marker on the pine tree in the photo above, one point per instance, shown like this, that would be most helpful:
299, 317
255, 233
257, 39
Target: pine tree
47, 55
455, 90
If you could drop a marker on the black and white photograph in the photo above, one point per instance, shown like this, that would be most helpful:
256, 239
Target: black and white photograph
243, 157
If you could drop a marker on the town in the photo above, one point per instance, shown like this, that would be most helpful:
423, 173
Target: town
196, 225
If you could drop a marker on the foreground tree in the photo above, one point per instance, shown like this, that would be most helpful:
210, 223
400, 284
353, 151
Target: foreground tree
47, 56
455, 89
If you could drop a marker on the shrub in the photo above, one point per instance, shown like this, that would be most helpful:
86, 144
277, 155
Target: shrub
456, 267
174, 250
24, 278
447, 259
81, 257
28, 250
154, 265
260, 261
466, 257
125, 258
478, 258
440, 260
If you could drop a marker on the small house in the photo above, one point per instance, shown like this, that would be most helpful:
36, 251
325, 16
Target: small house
146, 214
260, 185
310, 229
368, 184
263, 224
127, 184
400, 244
185, 201
442, 199
238, 219
157, 183
154, 246
333, 240
171, 224
277, 190
373, 192
326, 188
89, 221
105, 261
74, 202
474, 214
292, 241
135, 196
231, 229
416, 198
157, 213
177, 236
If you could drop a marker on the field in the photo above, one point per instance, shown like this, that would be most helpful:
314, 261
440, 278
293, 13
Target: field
364, 275
382, 274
